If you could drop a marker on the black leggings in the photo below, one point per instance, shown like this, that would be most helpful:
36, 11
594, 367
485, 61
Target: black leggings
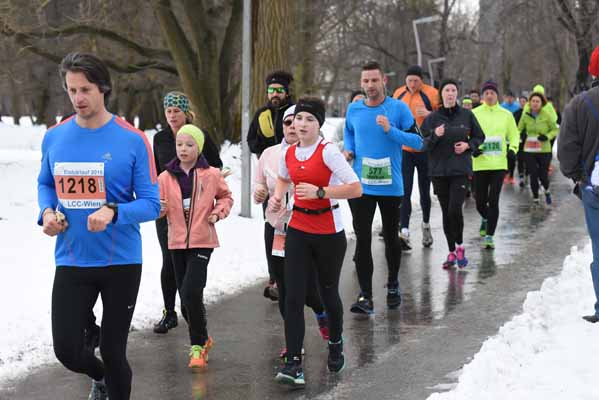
363, 209
167, 273
538, 166
267, 249
305, 251
278, 269
411, 161
487, 186
191, 271
74, 294
451, 192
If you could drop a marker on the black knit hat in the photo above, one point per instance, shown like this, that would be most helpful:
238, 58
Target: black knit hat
312, 105
415, 70
489, 85
283, 78
446, 82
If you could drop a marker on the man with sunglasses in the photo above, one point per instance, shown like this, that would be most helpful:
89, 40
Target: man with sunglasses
265, 131
267, 125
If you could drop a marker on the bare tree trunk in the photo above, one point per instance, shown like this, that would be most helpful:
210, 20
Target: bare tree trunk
271, 44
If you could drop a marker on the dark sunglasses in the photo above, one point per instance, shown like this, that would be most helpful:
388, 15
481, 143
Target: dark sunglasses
288, 122
272, 90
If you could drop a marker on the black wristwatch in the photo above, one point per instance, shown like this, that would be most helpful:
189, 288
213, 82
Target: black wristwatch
320, 192
114, 207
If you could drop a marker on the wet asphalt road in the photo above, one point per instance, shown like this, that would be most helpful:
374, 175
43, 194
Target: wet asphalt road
401, 354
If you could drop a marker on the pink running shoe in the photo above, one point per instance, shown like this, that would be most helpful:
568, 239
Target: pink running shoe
460, 252
450, 262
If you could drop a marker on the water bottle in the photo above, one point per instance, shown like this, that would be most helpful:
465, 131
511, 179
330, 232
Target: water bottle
595, 174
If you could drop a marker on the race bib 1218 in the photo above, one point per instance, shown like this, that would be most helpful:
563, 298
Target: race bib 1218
80, 185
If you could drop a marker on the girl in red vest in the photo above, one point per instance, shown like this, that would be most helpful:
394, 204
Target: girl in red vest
315, 236
194, 197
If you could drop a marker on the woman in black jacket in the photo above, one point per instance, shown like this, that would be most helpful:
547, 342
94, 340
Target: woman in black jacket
178, 112
451, 137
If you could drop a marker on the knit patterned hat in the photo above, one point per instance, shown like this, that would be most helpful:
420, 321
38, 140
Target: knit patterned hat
195, 132
179, 100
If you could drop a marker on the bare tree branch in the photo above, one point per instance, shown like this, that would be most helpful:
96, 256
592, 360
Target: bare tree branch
123, 68
92, 30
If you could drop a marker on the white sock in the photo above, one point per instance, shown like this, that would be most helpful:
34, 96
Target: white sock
426, 225
405, 232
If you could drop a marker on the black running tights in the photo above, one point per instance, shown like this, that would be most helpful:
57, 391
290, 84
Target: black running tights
304, 251
487, 186
191, 271
278, 270
451, 192
363, 209
74, 294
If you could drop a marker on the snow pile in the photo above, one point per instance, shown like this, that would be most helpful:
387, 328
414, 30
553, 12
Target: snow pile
547, 352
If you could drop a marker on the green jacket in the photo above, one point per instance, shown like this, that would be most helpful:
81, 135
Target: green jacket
548, 108
500, 128
542, 124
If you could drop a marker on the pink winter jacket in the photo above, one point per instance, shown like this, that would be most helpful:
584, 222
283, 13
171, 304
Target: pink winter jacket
267, 172
210, 195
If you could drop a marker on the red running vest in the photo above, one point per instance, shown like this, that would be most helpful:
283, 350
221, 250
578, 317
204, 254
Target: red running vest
313, 171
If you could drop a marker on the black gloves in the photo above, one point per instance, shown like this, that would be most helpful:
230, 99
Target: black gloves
511, 155
543, 138
476, 152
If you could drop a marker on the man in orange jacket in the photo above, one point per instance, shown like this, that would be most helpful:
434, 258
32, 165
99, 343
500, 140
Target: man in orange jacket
422, 99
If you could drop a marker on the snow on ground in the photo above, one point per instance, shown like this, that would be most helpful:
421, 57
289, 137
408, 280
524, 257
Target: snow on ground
26, 254
547, 352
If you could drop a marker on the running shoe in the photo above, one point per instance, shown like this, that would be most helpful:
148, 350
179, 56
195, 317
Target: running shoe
271, 291
460, 253
98, 392
404, 240
548, 199
427, 236
511, 180
198, 355
168, 321
521, 183
323, 325
593, 319
363, 305
336, 360
536, 203
292, 373
393, 295
451, 260
483, 228
506, 179
488, 242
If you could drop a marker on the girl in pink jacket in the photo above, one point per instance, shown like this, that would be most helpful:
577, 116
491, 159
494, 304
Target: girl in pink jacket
194, 197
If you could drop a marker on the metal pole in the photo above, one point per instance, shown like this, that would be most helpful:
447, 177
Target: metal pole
430, 67
246, 165
418, 52
415, 23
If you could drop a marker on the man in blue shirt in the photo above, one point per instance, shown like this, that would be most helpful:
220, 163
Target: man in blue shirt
509, 102
97, 183
375, 130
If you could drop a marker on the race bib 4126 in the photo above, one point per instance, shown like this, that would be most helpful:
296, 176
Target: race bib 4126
80, 185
